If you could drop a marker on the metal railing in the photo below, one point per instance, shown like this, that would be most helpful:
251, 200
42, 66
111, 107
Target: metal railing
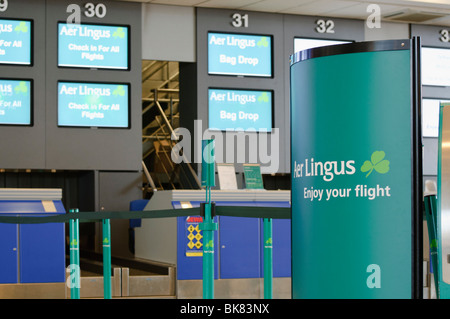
160, 141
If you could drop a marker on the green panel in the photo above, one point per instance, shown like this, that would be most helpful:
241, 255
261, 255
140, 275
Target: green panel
208, 165
442, 229
351, 137
252, 176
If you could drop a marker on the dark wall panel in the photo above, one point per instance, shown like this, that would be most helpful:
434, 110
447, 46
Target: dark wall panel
44, 145
90, 148
24, 147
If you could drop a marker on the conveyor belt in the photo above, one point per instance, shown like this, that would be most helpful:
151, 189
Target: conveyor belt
131, 278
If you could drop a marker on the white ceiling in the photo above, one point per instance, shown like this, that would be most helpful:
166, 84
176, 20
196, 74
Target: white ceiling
355, 9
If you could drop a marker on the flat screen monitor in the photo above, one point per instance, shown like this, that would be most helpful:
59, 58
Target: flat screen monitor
16, 102
239, 54
435, 66
240, 110
430, 117
93, 46
301, 44
85, 104
15, 42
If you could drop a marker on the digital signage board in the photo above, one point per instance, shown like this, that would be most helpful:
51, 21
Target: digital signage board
16, 102
240, 110
86, 104
240, 54
15, 42
93, 46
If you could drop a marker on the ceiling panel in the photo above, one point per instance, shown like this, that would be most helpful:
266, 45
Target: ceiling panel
275, 6
359, 11
188, 3
320, 7
226, 4
355, 9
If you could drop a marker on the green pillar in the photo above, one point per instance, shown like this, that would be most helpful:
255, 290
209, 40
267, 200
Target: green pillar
208, 226
268, 258
106, 259
74, 257
431, 212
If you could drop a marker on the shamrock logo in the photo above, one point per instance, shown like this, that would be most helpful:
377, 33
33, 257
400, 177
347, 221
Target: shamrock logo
269, 241
119, 33
21, 27
21, 88
119, 91
209, 244
263, 42
434, 244
377, 163
263, 97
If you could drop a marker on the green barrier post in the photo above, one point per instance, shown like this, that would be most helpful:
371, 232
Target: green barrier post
74, 256
268, 258
106, 259
431, 212
208, 226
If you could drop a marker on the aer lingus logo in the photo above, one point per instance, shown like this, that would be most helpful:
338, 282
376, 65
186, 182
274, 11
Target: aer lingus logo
264, 97
209, 244
263, 42
21, 88
377, 163
119, 33
119, 90
21, 27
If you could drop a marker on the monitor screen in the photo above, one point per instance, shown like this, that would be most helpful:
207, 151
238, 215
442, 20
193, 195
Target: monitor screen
240, 110
15, 42
93, 46
83, 104
239, 54
15, 102
435, 66
430, 117
301, 44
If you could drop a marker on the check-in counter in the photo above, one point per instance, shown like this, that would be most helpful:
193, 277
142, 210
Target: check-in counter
238, 241
32, 254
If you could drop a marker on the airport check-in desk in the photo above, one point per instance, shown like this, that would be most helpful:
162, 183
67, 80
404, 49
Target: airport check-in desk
238, 242
32, 255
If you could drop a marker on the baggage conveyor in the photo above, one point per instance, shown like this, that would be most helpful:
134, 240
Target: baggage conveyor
131, 278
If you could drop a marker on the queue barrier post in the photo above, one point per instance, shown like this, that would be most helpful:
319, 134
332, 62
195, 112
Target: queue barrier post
74, 257
106, 227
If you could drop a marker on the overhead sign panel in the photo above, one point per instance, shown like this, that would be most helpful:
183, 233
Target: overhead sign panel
239, 54
15, 42
240, 110
15, 102
93, 104
93, 46
436, 66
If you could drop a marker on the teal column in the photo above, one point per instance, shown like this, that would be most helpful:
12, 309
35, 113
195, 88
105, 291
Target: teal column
431, 212
75, 281
208, 226
268, 258
106, 259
